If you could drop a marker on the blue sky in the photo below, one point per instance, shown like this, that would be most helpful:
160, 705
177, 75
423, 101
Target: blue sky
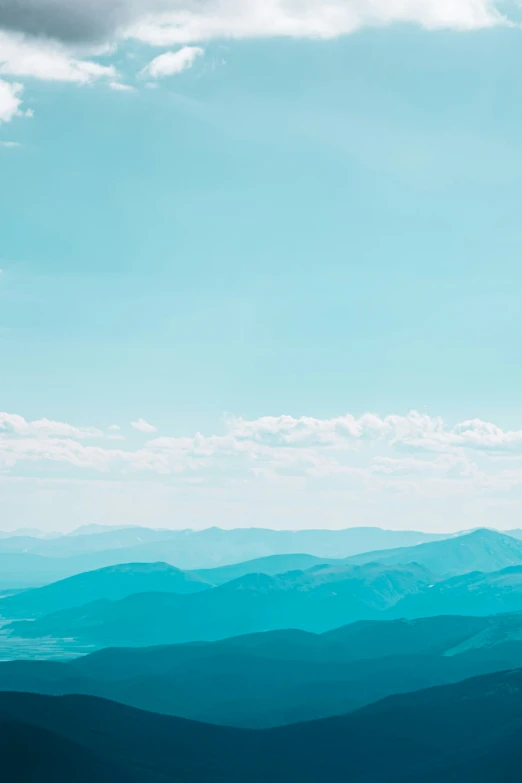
266, 225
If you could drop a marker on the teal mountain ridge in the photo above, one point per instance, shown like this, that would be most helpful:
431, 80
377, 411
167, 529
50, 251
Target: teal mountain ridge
280, 677
408, 582
465, 731
317, 599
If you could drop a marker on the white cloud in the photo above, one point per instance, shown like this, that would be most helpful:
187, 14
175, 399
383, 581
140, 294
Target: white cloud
114, 427
120, 87
14, 424
164, 22
35, 449
9, 145
362, 454
10, 101
473, 434
63, 40
414, 431
143, 426
342, 430
193, 22
170, 63
293, 471
41, 59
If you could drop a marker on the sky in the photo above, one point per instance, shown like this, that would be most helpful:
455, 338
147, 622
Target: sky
260, 263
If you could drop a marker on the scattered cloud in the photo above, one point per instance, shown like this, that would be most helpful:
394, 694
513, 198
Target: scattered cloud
143, 426
369, 449
119, 86
293, 471
69, 41
14, 424
170, 63
342, 430
344, 470
43, 59
10, 100
114, 427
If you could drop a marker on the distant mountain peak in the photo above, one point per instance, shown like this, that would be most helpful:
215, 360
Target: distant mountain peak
485, 533
259, 582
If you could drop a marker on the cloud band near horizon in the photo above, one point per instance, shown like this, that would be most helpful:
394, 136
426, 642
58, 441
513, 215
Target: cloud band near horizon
306, 446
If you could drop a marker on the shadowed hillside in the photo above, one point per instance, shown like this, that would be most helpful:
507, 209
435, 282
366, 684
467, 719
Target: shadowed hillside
283, 676
468, 731
318, 599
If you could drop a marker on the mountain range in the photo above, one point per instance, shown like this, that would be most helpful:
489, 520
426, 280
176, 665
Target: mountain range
286, 676
27, 561
475, 593
120, 581
112, 583
404, 583
465, 731
219, 544
318, 599
393, 665
480, 550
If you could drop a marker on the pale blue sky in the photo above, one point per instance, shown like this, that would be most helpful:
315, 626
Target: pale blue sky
288, 227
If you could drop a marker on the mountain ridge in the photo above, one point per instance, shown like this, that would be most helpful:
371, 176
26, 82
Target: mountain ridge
466, 731
316, 602
285, 676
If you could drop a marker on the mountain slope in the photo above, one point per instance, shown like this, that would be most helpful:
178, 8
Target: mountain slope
32, 753
112, 583
472, 594
318, 599
469, 731
115, 582
98, 539
215, 545
365, 640
241, 690
271, 565
282, 676
481, 550
27, 561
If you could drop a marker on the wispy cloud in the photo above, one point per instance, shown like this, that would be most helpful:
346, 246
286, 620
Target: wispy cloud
349, 467
120, 87
369, 448
47, 60
10, 100
143, 426
14, 424
170, 63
